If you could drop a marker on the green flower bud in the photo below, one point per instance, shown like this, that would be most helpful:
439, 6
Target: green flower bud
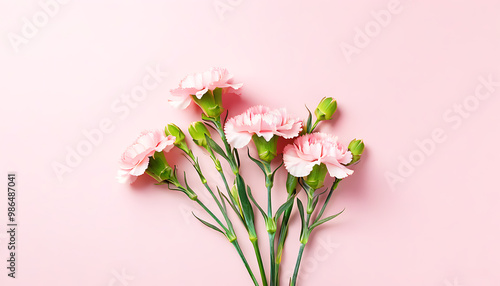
316, 178
267, 149
198, 130
180, 141
356, 147
210, 102
326, 108
159, 169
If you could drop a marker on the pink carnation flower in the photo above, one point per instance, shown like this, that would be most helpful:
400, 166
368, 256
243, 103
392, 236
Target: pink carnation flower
261, 121
135, 160
313, 149
199, 83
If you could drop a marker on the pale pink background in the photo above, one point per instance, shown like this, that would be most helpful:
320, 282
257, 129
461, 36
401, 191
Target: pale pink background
438, 227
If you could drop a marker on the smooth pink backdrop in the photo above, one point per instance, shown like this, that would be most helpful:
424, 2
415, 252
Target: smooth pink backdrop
438, 226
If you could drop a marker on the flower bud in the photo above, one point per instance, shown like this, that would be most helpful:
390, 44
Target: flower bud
180, 141
356, 147
326, 108
210, 102
316, 178
267, 149
198, 131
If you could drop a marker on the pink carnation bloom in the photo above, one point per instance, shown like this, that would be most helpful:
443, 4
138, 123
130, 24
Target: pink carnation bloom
313, 149
199, 83
135, 160
261, 121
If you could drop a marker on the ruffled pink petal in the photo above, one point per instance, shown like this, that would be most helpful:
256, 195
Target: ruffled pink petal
294, 164
140, 168
235, 138
166, 144
338, 171
264, 122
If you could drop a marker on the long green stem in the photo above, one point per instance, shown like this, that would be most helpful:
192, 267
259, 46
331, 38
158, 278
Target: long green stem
259, 260
272, 255
297, 265
247, 266
281, 240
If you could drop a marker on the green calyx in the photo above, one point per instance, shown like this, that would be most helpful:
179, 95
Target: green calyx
159, 169
267, 150
326, 108
210, 102
316, 178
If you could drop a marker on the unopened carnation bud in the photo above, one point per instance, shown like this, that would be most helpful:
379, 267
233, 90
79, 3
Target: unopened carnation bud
326, 108
180, 141
356, 147
198, 132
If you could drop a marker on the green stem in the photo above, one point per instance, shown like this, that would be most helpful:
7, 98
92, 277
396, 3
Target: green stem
297, 265
281, 240
314, 126
247, 266
259, 260
272, 256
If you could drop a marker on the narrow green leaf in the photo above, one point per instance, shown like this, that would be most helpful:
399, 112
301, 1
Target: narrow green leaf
309, 121
300, 206
284, 207
334, 186
216, 148
208, 224
233, 207
259, 163
274, 172
257, 204
320, 222
237, 156
315, 202
246, 206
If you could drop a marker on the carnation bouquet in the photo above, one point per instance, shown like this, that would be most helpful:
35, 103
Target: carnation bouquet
308, 159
